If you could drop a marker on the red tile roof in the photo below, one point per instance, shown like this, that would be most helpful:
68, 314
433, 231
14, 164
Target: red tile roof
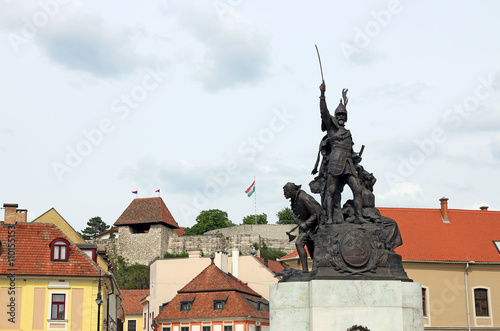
274, 266
147, 211
131, 301
213, 284
213, 279
469, 235
180, 232
32, 252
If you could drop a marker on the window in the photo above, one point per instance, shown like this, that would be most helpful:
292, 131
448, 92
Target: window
206, 328
59, 250
481, 301
132, 325
186, 306
166, 328
219, 304
228, 328
257, 328
144, 321
58, 306
184, 328
424, 301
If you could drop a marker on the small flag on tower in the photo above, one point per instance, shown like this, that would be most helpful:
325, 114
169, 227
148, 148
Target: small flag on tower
251, 189
157, 191
135, 192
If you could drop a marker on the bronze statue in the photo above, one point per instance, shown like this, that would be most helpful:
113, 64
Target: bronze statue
342, 160
352, 242
306, 213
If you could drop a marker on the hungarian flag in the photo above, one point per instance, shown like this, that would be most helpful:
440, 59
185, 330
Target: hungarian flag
135, 192
251, 189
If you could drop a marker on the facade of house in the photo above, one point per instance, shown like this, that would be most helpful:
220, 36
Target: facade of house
131, 300
455, 255
214, 301
255, 271
48, 283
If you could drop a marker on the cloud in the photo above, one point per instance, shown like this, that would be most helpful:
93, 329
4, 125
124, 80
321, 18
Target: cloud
396, 94
236, 53
88, 44
365, 57
402, 190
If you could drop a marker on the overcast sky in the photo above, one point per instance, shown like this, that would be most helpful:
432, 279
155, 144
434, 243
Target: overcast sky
195, 98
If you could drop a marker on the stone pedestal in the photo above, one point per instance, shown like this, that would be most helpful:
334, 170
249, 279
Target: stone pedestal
337, 305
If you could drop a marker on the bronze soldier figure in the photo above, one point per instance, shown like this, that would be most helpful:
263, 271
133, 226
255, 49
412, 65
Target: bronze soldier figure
342, 160
306, 213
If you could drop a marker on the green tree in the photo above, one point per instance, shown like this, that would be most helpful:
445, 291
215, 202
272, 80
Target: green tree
131, 277
95, 225
250, 219
285, 216
209, 220
270, 253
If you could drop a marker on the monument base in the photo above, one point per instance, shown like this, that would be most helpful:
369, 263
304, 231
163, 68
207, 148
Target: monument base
337, 305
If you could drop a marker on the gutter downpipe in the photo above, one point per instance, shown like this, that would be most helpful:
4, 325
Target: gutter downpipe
467, 294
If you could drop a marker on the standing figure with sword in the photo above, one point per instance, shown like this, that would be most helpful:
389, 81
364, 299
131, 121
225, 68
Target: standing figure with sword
342, 159
307, 213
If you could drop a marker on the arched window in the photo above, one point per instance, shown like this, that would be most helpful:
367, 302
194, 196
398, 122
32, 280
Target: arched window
59, 250
481, 301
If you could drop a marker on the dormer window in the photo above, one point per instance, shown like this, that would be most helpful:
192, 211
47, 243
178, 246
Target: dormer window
186, 305
219, 304
220, 301
59, 250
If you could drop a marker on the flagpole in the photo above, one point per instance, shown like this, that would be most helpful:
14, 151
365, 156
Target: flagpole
255, 200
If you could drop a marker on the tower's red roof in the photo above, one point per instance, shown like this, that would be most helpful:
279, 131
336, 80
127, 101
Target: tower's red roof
147, 211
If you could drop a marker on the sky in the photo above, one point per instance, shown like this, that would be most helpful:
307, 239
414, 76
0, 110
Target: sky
198, 98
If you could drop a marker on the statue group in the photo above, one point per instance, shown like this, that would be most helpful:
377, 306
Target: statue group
349, 241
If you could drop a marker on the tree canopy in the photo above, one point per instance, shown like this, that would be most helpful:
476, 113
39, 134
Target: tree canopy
95, 225
135, 276
209, 220
285, 216
250, 219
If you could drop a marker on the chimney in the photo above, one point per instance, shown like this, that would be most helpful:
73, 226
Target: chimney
221, 261
444, 210
266, 262
235, 262
14, 215
484, 208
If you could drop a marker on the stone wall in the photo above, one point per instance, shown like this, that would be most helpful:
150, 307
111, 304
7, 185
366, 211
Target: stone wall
143, 248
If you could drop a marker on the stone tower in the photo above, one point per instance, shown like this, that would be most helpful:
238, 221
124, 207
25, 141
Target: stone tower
144, 230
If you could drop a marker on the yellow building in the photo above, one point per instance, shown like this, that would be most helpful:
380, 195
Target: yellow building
47, 282
455, 255
132, 306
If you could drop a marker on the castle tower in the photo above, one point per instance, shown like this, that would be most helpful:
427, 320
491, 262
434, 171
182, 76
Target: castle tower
144, 229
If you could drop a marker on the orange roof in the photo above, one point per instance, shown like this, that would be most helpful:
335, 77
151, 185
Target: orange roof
213, 284
32, 248
469, 235
131, 301
274, 266
147, 211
